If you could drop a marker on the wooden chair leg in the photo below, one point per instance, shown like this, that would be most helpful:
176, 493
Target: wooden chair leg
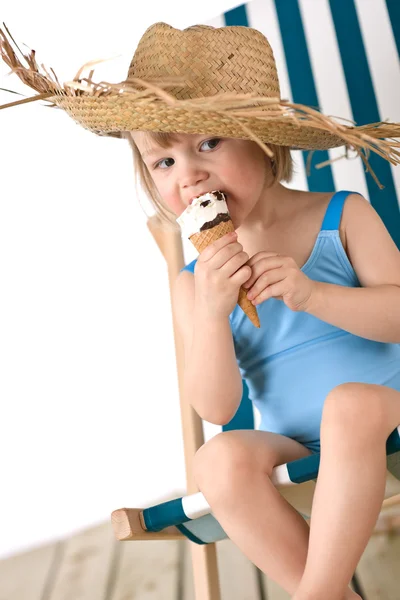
204, 557
205, 572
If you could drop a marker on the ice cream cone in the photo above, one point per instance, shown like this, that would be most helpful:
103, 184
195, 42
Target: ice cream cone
203, 239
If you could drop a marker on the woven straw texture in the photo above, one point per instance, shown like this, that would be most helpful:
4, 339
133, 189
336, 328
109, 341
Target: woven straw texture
214, 60
211, 62
203, 239
218, 81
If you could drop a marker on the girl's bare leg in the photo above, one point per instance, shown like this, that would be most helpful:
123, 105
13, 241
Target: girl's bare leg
346, 505
268, 530
349, 492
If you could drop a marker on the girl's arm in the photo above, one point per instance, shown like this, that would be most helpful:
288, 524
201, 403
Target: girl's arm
212, 382
372, 311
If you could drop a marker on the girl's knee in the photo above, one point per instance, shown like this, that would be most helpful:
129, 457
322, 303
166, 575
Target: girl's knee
222, 463
354, 407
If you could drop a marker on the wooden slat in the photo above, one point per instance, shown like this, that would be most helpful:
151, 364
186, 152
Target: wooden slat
127, 525
25, 575
392, 490
204, 558
147, 571
93, 566
187, 580
389, 518
204, 581
378, 571
379, 568
238, 575
170, 245
205, 571
86, 564
273, 591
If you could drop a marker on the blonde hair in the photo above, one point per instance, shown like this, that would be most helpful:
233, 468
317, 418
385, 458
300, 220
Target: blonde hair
282, 170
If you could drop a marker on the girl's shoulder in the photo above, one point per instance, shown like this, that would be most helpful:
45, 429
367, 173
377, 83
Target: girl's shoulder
308, 207
316, 206
310, 211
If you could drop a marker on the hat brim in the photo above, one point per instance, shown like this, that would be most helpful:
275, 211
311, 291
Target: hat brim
110, 116
108, 109
263, 120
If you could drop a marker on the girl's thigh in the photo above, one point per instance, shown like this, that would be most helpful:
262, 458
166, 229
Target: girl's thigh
277, 449
263, 450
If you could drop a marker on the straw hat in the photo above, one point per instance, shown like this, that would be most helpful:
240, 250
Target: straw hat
219, 81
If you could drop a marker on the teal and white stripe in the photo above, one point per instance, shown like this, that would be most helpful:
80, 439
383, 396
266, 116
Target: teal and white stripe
393, 8
194, 507
341, 56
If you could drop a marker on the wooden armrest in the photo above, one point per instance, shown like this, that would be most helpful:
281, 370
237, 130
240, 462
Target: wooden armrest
127, 525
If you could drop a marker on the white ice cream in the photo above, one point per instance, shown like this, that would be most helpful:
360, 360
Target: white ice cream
193, 218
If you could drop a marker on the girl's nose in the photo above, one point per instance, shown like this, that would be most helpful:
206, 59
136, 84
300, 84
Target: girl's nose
192, 175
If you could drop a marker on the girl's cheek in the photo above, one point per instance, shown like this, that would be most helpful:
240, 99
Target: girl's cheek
173, 204
166, 196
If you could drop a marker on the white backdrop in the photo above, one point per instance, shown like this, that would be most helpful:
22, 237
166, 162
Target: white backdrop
89, 417
89, 409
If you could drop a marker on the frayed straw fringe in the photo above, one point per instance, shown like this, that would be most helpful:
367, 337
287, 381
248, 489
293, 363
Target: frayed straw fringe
376, 137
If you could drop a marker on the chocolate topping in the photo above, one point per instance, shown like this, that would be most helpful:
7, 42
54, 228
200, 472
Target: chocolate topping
218, 219
220, 195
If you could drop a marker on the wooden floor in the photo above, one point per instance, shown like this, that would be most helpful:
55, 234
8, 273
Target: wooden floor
92, 565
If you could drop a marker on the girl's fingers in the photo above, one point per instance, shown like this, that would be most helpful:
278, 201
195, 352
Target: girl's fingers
256, 274
259, 266
212, 249
274, 276
262, 256
274, 290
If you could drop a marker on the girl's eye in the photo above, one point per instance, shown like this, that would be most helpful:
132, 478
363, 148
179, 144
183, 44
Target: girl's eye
161, 161
212, 141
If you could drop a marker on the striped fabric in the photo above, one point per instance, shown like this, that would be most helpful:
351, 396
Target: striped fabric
192, 514
341, 56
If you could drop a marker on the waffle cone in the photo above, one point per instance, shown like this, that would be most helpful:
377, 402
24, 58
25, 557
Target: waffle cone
203, 239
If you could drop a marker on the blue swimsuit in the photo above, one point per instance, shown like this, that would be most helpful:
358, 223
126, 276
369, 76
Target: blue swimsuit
295, 359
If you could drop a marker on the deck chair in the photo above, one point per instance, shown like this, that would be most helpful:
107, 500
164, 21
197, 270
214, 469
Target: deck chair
190, 516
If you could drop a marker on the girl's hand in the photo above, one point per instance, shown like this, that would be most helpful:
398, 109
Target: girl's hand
276, 276
220, 271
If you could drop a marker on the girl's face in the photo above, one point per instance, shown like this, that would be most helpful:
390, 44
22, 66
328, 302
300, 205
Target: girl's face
195, 164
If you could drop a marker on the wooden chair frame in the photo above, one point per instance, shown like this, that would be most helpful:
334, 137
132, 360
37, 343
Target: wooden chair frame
126, 521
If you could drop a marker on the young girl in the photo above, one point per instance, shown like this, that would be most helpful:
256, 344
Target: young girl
324, 367
324, 345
